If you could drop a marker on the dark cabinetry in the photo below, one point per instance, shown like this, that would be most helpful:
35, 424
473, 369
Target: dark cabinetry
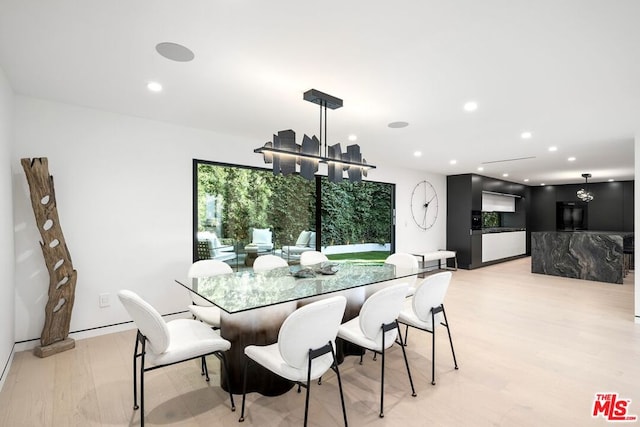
464, 200
627, 206
610, 210
543, 209
460, 205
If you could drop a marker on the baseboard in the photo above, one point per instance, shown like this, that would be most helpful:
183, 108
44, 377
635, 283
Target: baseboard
7, 366
95, 331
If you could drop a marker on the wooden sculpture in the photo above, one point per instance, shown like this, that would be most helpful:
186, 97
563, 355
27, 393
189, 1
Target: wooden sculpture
62, 276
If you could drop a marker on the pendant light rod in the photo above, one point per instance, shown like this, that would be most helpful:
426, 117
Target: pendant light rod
324, 100
325, 129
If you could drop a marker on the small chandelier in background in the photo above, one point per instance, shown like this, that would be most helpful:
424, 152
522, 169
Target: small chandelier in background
285, 154
584, 194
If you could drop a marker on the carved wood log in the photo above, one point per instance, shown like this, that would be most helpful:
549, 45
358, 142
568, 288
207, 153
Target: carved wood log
62, 276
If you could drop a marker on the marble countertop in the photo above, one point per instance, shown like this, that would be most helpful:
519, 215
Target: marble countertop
617, 233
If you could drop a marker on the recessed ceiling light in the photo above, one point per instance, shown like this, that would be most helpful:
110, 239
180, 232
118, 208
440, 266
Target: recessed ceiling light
505, 175
571, 159
453, 162
154, 86
542, 184
553, 148
526, 135
470, 106
353, 137
480, 168
417, 153
611, 179
526, 180
175, 52
398, 125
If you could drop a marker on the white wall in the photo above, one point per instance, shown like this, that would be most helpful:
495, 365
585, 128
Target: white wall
409, 237
124, 194
7, 314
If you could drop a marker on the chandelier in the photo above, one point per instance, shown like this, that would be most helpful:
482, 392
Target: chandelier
584, 194
286, 155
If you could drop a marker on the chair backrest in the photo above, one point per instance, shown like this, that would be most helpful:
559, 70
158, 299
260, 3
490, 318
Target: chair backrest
268, 262
261, 235
312, 240
381, 308
310, 327
147, 319
303, 238
208, 268
312, 257
204, 249
430, 293
405, 263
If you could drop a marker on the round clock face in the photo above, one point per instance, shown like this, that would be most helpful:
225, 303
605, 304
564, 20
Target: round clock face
424, 205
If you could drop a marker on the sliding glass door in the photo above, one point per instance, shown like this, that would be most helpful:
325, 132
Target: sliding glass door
241, 213
357, 220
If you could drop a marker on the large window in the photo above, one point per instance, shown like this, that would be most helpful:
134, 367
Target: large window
242, 212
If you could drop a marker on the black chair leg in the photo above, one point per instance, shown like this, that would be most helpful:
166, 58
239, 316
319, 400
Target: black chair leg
135, 376
455, 362
406, 361
223, 362
433, 349
382, 383
142, 388
306, 401
335, 368
384, 333
204, 368
244, 388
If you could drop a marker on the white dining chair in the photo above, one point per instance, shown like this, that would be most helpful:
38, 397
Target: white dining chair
304, 350
405, 264
312, 257
376, 328
202, 309
425, 311
268, 262
160, 343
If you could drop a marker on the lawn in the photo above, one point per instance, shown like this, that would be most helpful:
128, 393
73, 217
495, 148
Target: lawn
372, 257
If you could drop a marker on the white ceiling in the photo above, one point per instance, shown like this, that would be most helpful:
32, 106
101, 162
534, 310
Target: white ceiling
566, 70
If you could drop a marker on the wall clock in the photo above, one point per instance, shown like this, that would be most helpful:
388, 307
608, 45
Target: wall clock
424, 205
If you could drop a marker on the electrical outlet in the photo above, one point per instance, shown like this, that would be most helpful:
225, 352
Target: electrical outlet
104, 301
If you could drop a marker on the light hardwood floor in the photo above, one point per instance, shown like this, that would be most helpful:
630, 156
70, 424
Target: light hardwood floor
533, 350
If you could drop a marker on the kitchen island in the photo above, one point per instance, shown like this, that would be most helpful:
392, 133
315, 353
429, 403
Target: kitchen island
588, 255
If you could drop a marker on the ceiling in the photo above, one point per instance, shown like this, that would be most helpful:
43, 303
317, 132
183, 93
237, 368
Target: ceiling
565, 70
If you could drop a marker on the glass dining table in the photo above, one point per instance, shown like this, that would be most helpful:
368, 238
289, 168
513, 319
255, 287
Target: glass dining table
254, 304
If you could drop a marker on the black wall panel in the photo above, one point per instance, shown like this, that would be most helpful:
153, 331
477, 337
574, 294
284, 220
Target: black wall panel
610, 210
543, 208
606, 208
628, 206
459, 202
